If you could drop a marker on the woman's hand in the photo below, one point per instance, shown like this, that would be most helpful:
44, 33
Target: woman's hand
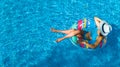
83, 42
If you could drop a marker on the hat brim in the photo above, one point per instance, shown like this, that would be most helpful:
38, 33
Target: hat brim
102, 28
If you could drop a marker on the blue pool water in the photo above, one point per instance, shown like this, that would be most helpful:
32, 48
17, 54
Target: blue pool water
26, 39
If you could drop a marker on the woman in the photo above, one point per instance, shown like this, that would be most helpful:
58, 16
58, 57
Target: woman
98, 34
103, 29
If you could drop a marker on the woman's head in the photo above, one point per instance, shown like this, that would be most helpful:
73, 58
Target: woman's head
105, 28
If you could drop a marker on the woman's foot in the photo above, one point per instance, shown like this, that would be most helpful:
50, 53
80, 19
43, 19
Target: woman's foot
60, 39
53, 30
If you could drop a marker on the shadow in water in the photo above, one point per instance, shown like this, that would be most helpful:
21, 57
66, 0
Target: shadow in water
112, 39
61, 56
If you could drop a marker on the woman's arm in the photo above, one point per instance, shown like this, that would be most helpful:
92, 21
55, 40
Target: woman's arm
99, 39
97, 21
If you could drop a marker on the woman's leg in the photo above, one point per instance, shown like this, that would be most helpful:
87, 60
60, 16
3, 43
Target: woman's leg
69, 35
62, 31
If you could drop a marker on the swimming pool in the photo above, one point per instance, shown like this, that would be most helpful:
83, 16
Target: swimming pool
26, 39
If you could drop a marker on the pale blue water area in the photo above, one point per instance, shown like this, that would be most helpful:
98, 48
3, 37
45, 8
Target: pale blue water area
26, 39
